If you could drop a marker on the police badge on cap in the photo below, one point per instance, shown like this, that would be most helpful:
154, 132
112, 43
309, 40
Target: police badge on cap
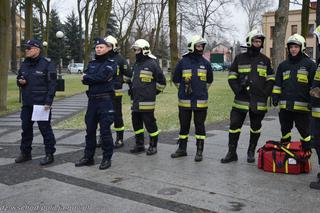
33, 43
98, 41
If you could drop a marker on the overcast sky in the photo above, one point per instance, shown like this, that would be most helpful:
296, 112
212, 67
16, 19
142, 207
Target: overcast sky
237, 16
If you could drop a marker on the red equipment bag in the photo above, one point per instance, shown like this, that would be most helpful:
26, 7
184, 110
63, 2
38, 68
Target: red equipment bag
286, 158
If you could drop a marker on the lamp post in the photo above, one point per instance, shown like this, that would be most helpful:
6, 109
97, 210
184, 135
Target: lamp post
60, 81
45, 46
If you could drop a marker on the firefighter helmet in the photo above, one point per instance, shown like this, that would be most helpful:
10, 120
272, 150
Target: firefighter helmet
112, 40
142, 44
194, 41
317, 33
254, 34
297, 39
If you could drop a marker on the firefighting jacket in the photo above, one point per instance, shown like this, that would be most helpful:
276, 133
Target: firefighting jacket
41, 76
293, 83
251, 78
123, 73
195, 72
99, 77
147, 81
316, 101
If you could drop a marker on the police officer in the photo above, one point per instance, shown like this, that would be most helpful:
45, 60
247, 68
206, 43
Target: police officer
123, 75
315, 99
37, 80
251, 79
148, 81
293, 81
98, 77
193, 76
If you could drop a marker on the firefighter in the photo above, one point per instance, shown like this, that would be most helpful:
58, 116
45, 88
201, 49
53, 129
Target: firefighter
193, 76
123, 75
99, 76
291, 91
147, 81
251, 79
315, 100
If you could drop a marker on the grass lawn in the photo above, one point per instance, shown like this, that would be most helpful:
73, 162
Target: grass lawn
73, 86
220, 100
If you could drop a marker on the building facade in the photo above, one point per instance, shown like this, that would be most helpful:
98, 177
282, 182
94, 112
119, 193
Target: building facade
294, 26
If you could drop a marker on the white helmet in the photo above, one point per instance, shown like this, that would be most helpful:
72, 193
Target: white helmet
254, 34
316, 32
142, 44
194, 41
112, 40
297, 39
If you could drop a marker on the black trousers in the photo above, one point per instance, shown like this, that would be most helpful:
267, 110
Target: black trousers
199, 118
144, 118
315, 129
27, 132
301, 121
118, 120
237, 117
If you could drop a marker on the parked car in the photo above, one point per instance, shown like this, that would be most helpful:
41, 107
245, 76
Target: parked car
216, 67
75, 68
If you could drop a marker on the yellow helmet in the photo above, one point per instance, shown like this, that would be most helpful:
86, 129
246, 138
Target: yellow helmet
297, 39
113, 41
194, 41
316, 32
254, 34
142, 44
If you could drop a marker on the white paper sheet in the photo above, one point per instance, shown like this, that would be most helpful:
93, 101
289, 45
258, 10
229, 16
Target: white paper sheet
39, 114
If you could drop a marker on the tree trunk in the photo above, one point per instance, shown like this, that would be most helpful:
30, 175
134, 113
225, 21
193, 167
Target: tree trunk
5, 51
86, 33
47, 27
28, 19
80, 30
13, 37
280, 28
318, 24
173, 35
156, 40
103, 9
305, 18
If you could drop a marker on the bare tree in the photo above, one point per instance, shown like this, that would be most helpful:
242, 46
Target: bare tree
173, 35
205, 14
305, 18
160, 12
89, 7
279, 34
5, 51
318, 24
254, 10
28, 19
103, 11
80, 11
13, 37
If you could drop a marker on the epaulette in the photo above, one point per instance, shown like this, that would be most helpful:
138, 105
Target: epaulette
111, 60
47, 59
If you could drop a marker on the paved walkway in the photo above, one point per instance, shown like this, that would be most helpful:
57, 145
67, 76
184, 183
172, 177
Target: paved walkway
140, 183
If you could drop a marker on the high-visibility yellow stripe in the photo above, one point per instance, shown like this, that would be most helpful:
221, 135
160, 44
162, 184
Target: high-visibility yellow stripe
146, 76
302, 108
262, 108
234, 130
273, 166
317, 75
118, 94
286, 167
239, 106
200, 137
302, 78
307, 139
286, 136
316, 114
262, 72
119, 129
183, 136
139, 131
232, 77
146, 107
154, 133
255, 131
276, 91
244, 70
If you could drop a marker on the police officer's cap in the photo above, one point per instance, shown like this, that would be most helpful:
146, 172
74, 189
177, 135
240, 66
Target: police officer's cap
98, 41
33, 43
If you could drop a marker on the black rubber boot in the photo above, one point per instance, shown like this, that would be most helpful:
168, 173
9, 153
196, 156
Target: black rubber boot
153, 145
23, 157
315, 185
182, 149
232, 152
198, 156
48, 159
119, 141
254, 137
139, 147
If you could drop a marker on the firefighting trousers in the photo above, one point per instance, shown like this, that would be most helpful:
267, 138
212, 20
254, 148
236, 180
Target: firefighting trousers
237, 117
199, 118
301, 121
148, 120
118, 120
316, 136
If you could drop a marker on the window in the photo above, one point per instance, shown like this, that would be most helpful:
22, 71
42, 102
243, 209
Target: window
310, 30
271, 32
309, 51
294, 29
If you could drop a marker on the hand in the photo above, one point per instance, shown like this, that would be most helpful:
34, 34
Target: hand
275, 101
22, 81
82, 77
47, 107
315, 92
